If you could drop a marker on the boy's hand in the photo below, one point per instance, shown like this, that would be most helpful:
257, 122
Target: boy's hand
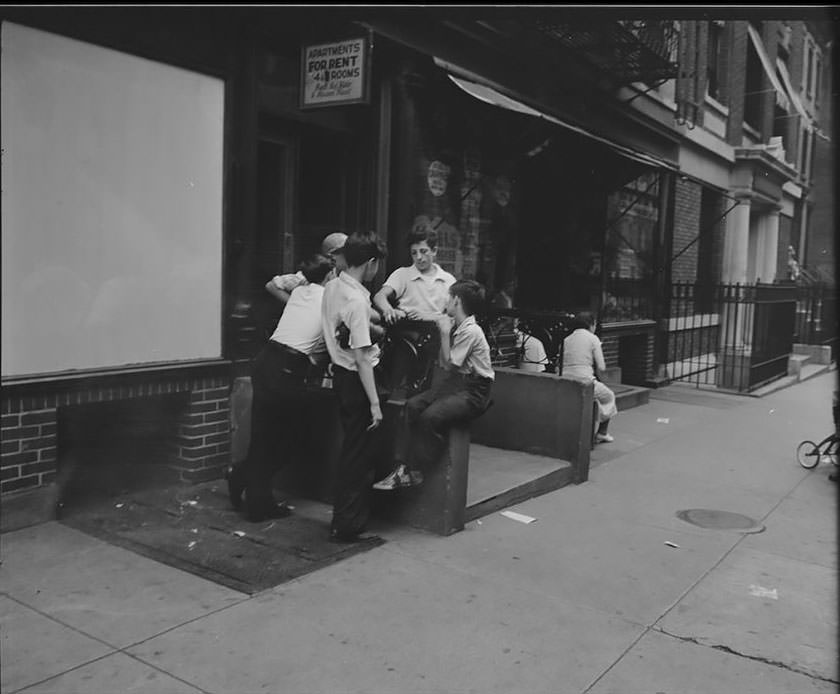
444, 323
375, 416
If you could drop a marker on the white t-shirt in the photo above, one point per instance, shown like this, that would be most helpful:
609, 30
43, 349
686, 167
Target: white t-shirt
533, 353
422, 297
300, 325
347, 301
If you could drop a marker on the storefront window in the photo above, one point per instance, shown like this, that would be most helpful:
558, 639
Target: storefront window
629, 250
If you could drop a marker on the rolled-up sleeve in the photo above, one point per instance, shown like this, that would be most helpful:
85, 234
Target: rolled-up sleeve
356, 318
462, 344
396, 281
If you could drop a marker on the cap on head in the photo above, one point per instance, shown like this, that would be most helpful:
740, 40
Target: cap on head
333, 242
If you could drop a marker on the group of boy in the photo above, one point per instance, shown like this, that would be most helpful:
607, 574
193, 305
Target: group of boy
330, 316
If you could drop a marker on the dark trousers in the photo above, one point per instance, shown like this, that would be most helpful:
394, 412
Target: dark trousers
430, 414
360, 452
278, 423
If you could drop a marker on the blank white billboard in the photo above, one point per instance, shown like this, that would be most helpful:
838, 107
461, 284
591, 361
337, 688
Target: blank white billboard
111, 207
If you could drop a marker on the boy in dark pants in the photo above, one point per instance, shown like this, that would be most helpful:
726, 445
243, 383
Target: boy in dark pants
347, 303
462, 396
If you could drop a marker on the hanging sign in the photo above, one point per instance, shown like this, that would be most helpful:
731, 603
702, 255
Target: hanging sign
334, 74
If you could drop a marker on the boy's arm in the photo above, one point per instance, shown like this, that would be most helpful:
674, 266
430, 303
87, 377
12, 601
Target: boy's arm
360, 355
279, 294
444, 323
382, 302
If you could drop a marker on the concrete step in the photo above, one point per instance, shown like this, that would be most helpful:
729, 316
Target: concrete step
499, 478
796, 362
811, 370
628, 397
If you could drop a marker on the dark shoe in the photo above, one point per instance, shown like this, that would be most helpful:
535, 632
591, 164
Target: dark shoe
269, 511
349, 538
236, 487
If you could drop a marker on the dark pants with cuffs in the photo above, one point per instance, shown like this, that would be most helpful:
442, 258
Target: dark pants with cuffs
360, 452
458, 398
278, 422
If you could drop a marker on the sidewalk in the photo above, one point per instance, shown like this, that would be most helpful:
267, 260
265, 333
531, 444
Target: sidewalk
589, 598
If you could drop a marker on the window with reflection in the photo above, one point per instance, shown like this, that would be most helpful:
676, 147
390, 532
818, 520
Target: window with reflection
630, 248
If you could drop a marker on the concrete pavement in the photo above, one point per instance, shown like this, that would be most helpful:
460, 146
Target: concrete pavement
589, 598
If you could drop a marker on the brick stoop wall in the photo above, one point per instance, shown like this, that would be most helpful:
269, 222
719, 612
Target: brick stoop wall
30, 410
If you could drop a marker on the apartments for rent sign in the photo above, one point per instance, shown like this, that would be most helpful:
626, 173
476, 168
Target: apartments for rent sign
334, 73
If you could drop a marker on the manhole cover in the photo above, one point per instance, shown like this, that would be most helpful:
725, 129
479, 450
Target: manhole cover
719, 520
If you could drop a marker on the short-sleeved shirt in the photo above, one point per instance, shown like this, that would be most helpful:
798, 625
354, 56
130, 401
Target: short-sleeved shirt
347, 301
288, 282
300, 325
533, 353
422, 297
469, 352
581, 353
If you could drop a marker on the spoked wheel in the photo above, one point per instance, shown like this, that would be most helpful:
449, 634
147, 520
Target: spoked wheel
808, 455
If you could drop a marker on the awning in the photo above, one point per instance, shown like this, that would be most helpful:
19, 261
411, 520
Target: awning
781, 97
495, 98
794, 97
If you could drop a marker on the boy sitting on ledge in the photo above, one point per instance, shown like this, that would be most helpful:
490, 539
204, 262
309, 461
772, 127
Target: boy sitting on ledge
462, 396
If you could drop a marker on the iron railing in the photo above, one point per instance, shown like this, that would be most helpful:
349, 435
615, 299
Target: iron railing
816, 315
730, 336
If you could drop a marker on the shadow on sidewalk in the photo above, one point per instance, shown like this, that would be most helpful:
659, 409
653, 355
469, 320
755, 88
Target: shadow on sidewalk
193, 528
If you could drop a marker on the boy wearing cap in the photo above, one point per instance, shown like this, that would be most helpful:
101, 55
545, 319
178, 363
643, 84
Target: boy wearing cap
347, 302
461, 397
281, 286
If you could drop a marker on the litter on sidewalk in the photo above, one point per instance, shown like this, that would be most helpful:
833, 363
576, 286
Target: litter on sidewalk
521, 517
762, 592
663, 420
672, 544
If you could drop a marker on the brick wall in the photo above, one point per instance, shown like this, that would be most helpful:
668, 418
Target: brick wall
686, 227
609, 346
28, 437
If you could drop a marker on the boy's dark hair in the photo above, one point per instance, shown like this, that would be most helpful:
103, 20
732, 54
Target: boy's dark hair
471, 294
315, 268
361, 246
582, 319
421, 232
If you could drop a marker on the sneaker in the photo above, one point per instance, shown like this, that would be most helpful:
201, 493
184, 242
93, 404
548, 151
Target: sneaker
604, 438
400, 478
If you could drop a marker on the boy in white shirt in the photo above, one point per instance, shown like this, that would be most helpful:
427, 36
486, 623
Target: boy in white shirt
278, 375
347, 303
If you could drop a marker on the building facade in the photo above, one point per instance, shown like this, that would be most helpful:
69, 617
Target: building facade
568, 162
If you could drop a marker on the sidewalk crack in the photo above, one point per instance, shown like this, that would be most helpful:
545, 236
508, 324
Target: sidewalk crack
766, 661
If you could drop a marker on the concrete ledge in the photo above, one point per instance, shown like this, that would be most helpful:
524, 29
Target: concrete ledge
540, 413
29, 507
796, 362
820, 354
439, 504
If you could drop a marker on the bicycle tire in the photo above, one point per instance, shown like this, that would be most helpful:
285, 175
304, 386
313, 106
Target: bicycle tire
808, 454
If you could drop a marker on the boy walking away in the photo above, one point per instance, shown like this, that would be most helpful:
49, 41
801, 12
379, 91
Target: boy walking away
462, 396
347, 302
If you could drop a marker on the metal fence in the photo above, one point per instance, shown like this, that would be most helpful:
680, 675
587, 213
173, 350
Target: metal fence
731, 336
816, 316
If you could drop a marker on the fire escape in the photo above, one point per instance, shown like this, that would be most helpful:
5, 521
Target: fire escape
624, 51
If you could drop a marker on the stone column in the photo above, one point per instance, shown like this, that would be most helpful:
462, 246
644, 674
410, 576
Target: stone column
736, 243
769, 246
733, 352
